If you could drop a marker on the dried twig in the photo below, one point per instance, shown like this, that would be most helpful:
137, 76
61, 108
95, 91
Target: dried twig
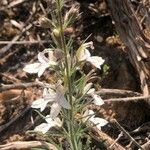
17, 37
19, 86
128, 99
27, 145
10, 78
117, 139
101, 136
102, 92
145, 127
5, 126
137, 42
26, 27
117, 92
23, 42
126, 134
15, 3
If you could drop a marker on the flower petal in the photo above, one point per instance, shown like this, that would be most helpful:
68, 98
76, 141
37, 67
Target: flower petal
63, 102
44, 127
55, 110
91, 91
52, 63
83, 53
42, 68
39, 103
45, 91
87, 53
49, 95
42, 59
32, 68
88, 114
89, 44
99, 122
52, 58
56, 121
96, 61
87, 88
97, 100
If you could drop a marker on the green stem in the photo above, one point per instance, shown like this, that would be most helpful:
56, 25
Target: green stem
73, 141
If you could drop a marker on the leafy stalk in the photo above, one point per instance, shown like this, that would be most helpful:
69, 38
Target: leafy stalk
73, 141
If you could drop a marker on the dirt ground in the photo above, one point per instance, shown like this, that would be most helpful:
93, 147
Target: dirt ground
19, 22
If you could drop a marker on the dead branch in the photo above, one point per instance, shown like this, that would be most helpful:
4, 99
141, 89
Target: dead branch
27, 145
142, 129
128, 99
10, 78
5, 126
102, 92
126, 134
101, 136
19, 86
23, 42
16, 38
16, 3
116, 140
117, 93
138, 44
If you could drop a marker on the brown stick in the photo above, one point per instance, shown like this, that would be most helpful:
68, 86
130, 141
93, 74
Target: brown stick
126, 134
17, 37
102, 92
27, 145
129, 29
19, 86
5, 126
10, 78
23, 42
101, 136
15, 3
117, 92
127, 99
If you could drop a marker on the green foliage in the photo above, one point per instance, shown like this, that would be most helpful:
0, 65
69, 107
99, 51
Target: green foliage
68, 98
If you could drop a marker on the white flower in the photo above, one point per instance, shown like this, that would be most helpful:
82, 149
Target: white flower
97, 100
59, 101
89, 116
44, 127
87, 88
42, 65
42, 102
84, 54
39, 103
56, 97
95, 61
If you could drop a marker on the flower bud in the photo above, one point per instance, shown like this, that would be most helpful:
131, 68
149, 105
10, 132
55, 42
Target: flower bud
56, 33
45, 22
71, 15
